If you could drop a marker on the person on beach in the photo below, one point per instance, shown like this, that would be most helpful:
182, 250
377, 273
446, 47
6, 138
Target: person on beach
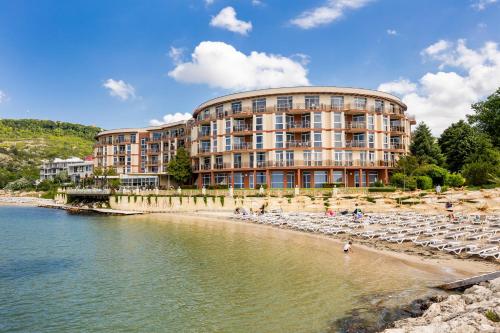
348, 247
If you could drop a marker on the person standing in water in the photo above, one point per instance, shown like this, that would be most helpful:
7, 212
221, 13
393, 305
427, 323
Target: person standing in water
348, 247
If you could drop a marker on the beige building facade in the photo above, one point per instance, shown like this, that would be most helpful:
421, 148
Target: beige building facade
301, 136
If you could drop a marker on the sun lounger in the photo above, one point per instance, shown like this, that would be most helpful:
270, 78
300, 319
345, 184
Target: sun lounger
494, 253
457, 249
482, 250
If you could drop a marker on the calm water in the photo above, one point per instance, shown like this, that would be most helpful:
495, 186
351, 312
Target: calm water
65, 273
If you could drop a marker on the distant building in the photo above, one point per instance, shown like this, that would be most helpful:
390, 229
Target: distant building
81, 170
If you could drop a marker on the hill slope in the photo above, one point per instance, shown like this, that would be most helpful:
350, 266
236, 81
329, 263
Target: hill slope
25, 142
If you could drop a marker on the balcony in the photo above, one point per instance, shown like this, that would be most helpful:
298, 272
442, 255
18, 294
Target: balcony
218, 166
397, 129
298, 125
356, 125
396, 145
204, 133
204, 150
355, 144
242, 128
243, 146
298, 144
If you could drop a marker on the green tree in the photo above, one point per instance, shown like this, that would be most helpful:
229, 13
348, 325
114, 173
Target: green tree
487, 117
458, 142
482, 167
180, 166
424, 146
407, 164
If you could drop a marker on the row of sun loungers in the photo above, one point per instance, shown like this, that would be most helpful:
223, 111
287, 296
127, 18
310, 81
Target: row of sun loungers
472, 235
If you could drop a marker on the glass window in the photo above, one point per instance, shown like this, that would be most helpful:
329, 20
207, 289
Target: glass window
279, 121
337, 102
372, 177
289, 158
371, 122
306, 179
337, 138
206, 180
237, 161
238, 180
214, 128
312, 102
317, 139
379, 105
371, 156
259, 105
348, 157
338, 176
284, 103
261, 159
317, 157
371, 140
259, 124
228, 143
259, 141
132, 138
320, 178
279, 140
277, 179
279, 157
360, 103
260, 178
386, 123
337, 155
236, 107
307, 157
317, 120
386, 141
228, 126
337, 120
219, 111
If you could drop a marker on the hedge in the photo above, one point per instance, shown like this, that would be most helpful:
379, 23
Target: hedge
381, 189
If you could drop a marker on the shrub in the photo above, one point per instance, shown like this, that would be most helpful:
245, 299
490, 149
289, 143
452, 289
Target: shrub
424, 182
332, 185
480, 173
438, 174
264, 186
400, 180
189, 187
18, 185
492, 315
378, 183
218, 187
381, 189
371, 199
455, 180
221, 200
397, 179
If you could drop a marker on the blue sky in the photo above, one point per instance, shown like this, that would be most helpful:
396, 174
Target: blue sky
124, 63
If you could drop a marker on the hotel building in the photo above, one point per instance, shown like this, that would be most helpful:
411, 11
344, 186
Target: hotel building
140, 155
300, 136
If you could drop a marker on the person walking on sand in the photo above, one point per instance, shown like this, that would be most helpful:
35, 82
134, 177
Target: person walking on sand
348, 247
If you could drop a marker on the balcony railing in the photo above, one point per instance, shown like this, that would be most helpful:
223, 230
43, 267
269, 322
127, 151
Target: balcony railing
298, 144
356, 125
203, 150
396, 145
243, 146
298, 163
204, 133
355, 144
242, 128
397, 129
298, 124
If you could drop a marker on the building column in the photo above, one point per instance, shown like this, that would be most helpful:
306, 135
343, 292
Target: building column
255, 178
212, 178
386, 176
299, 179
268, 179
200, 180
232, 179
360, 177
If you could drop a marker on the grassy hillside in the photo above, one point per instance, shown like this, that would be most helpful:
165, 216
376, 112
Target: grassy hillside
25, 142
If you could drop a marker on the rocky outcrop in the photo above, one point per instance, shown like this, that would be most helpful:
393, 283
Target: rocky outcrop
476, 310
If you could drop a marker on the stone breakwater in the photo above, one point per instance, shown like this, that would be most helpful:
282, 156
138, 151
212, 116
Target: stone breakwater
476, 310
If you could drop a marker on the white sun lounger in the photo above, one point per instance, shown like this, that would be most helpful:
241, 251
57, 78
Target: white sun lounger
482, 250
457, 249
495, 254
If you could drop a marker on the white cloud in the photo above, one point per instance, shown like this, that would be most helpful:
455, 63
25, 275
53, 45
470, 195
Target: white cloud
170, 118
220, 65
3, 97
226, 19
398, 87
304, 59
443, 97
120, 89
208, 2
392, 32
331, 11
176, 54
482, 4
436, 48
257, 3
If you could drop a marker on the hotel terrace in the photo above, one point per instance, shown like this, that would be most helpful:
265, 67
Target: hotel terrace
279, 138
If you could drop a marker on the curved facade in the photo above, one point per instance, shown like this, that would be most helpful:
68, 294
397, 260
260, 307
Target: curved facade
301, 136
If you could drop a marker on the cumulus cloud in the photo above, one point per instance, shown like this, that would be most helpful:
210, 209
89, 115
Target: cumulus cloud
436, 48
257, 3
226, 19
220, 65
480, 5
443, 97
392, 32
332, 10
170, 118
119, 89
3, 97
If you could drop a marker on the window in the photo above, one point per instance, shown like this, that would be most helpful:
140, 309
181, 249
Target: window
317, 120
307, 157
372, 177
277, 179
206, 180
251, 164
279, 140
317, 139
278, 121
337, 155
312, 102
306, 179
290, 180
279, 158
337, 139
320, 178
386, 123
379, 105
371, 157
214, 128
236, 107
260, 178
259, 125
360, 103
129, 149
371, 123
115, 150
261, 160
337, 120
132, 138
238, 180
219, 111
289, 158
228, 126
348, 157
338, 176
214, 145
386, 141
221, 179
259, 105
259, 141
284, 103
337, 102
218, 162
371, 140
362, 157
317, 157
237, 161
228, 143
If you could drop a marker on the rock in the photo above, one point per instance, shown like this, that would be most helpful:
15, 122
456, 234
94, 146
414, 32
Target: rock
495, 285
